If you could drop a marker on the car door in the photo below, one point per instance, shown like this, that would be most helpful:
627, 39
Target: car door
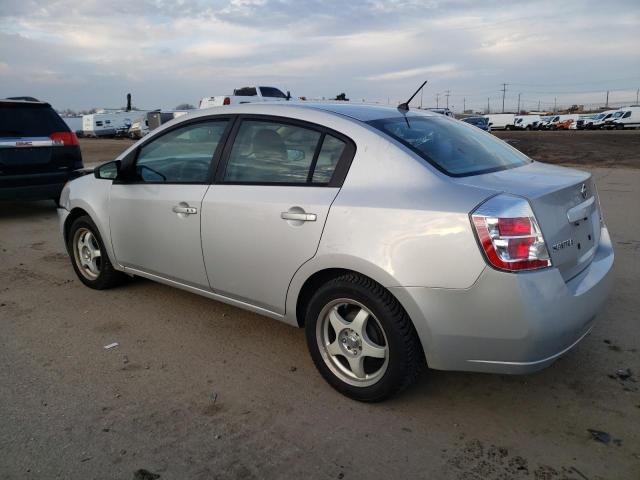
154, 210
263, 217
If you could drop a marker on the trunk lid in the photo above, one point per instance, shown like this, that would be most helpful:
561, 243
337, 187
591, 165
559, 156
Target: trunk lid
565, 204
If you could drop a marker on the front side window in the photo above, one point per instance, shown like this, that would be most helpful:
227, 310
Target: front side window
627, 114
182, 155
453, 147
270, 152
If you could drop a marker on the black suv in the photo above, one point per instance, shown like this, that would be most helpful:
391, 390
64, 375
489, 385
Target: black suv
38, 151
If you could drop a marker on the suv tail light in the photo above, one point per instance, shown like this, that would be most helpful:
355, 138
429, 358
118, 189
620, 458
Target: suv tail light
64, 138
226, 101
509, 234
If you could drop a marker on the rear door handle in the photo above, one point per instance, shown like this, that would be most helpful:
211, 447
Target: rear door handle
301, 217
185, 210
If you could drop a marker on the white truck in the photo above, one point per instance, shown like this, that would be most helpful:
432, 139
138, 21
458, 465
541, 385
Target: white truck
501, 121
600, 119
109, 123
630, 118
246, 95
526, 122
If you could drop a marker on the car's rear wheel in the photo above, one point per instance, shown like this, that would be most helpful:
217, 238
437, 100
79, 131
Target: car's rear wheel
361, 339
89, 257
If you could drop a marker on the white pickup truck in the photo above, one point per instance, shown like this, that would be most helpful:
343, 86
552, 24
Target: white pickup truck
246, 95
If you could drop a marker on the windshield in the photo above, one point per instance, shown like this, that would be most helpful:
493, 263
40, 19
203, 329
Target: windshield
451, 146
29, 120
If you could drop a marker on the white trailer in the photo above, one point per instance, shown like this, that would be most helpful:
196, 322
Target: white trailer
109, 123
501, 121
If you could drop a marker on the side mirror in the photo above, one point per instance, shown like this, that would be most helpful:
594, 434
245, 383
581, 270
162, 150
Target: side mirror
288, 95
108, 171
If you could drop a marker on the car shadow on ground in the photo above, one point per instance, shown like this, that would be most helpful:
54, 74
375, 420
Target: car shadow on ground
27, 209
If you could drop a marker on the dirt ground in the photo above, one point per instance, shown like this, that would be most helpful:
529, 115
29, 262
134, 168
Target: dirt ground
198, 389
602, 148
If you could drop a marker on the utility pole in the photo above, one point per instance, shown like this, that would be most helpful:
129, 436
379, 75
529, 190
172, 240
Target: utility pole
421, 91
538, 105
607, 104
447, 95
637, 92
504, 92
555, 104
488, 108
464, 104
518, 111
437, 100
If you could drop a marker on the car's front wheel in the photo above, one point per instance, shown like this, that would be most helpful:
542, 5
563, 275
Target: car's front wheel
361, 339
89, 257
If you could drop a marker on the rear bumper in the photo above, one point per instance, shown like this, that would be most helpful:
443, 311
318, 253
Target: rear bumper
36, 186
509, 323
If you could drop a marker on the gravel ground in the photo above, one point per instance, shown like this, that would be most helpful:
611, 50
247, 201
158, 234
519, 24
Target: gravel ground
198, 389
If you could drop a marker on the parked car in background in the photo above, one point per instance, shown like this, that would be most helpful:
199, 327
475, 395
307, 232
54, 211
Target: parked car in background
442, 111
526, 122
397, 239
599, 120
246, 95
38, 151
480, 122
149, 121
629, 119
609, 122
501, 121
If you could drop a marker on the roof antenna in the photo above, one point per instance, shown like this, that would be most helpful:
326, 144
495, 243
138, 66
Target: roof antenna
405, 106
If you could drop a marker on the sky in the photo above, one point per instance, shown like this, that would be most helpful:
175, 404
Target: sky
87, 53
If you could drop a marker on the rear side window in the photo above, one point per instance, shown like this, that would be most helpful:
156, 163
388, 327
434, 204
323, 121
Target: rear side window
453, 147
269, 152
272, 92
245, 92
25, 120
182, 155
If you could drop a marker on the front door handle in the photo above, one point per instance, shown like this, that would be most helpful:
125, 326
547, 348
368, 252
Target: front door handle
185, 210
300, 217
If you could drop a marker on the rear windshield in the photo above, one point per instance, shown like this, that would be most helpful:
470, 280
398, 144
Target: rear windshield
24, 120
272, 92
454, 147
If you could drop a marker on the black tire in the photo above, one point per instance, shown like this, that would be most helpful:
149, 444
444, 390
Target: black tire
107, 277
405, 355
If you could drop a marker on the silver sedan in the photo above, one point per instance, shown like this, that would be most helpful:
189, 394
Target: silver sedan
397, 239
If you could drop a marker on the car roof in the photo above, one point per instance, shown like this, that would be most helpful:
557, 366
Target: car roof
23, 100
362, 112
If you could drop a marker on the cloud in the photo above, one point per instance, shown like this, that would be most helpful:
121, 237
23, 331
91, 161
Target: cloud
444, 69
89, 53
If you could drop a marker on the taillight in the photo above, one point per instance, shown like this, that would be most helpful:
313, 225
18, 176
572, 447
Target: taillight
64, 138
226, 101
509, 234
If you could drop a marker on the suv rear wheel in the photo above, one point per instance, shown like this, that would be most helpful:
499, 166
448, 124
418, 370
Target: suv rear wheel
89, 257
361, 339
